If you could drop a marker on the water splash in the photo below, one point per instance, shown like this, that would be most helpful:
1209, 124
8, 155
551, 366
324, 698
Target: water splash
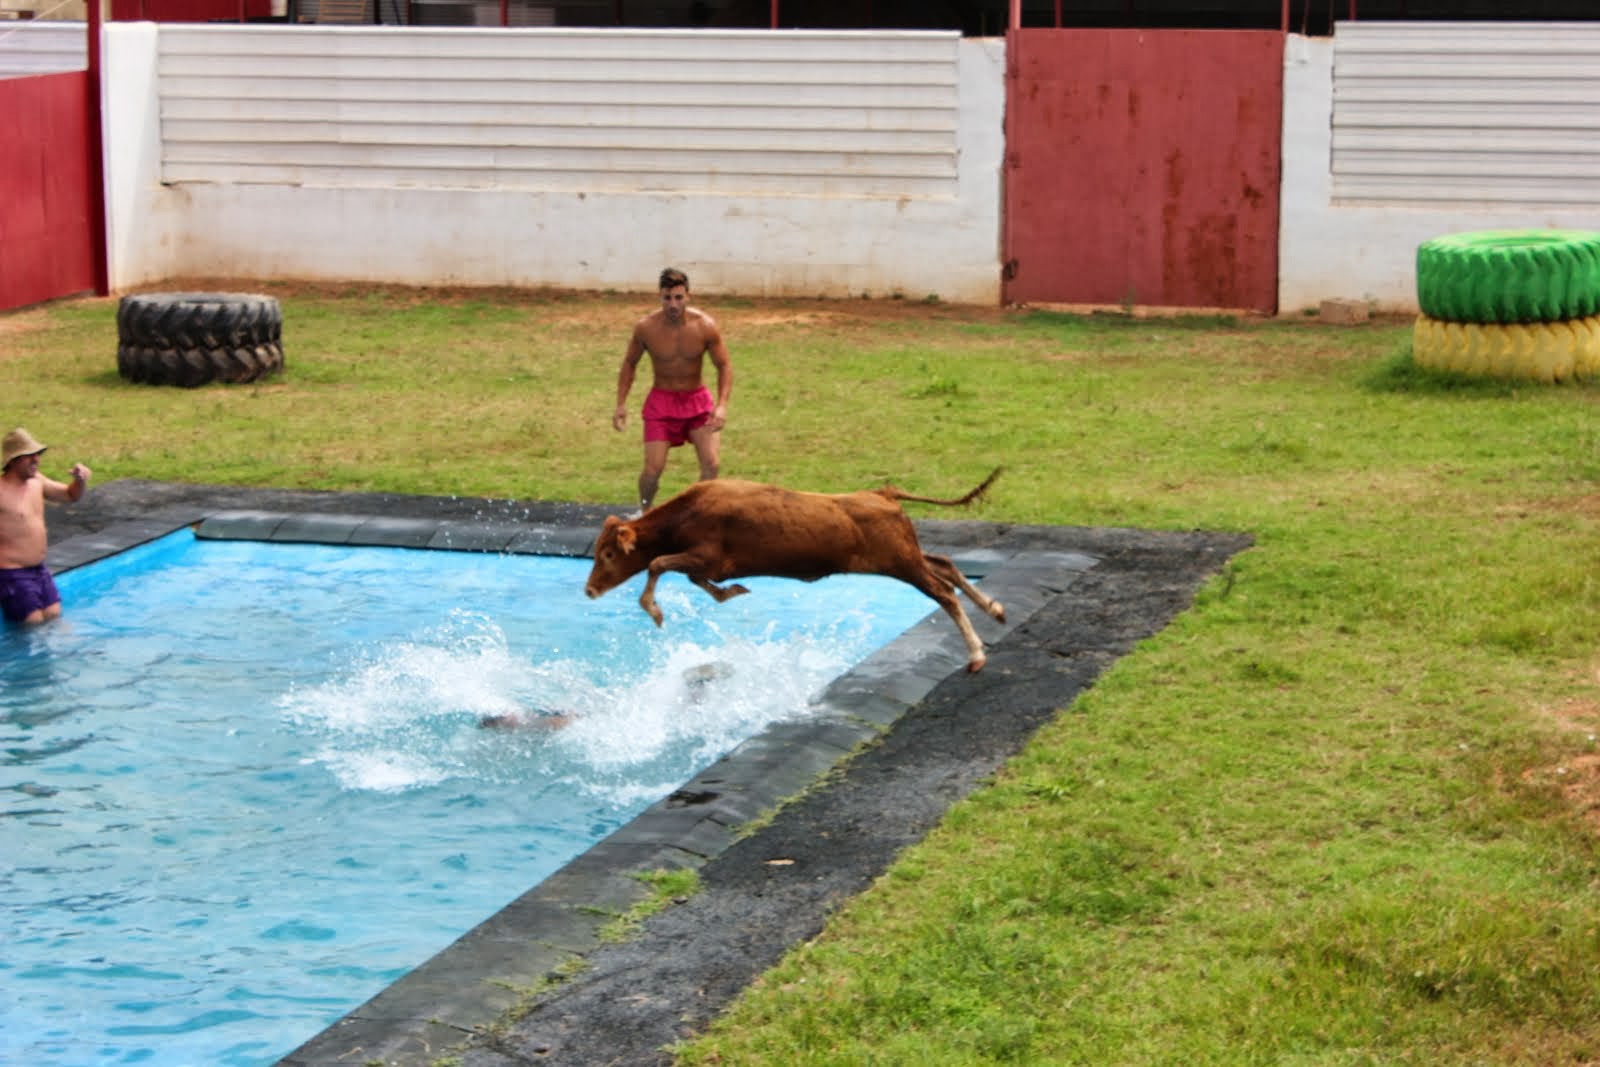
625, 726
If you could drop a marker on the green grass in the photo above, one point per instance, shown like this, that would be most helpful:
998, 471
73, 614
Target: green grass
1337, 813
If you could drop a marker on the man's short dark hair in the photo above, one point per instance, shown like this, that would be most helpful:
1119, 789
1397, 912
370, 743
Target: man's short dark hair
672, 277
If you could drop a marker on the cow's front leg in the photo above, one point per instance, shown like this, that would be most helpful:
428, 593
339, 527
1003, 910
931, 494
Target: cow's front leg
647, 599
687, 562
720, 593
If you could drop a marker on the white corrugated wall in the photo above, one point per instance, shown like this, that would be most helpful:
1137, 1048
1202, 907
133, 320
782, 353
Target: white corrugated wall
693, 111
42, 48
1488, 113
762, 162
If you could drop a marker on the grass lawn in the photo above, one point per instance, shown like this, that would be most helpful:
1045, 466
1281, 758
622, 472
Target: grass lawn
1343, 811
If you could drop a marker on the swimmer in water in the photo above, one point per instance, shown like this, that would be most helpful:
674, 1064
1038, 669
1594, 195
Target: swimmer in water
700, 677
538, 720
697, 678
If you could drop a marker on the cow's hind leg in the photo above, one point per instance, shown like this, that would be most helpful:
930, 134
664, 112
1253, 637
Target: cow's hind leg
722, 593
945, 568
944, 594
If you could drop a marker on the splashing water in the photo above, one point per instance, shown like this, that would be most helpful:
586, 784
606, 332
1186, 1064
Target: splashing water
619, 733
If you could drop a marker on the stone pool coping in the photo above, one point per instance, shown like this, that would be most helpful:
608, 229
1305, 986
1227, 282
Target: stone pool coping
919, 731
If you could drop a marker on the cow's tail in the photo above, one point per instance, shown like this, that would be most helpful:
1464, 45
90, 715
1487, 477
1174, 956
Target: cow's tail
898, 494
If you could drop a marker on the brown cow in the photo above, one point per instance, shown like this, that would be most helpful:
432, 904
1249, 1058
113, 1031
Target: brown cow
718, 530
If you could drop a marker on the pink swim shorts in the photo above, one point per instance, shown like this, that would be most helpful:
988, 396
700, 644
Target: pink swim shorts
669, 415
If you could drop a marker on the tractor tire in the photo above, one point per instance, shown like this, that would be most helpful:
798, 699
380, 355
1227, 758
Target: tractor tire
193, 339
1538, 352
1510, 276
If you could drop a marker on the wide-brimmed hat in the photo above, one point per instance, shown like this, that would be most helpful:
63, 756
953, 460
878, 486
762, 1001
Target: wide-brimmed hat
18, 442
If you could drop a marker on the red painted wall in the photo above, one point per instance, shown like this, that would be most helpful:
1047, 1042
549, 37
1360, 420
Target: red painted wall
189, 10
46, 246
1142, 167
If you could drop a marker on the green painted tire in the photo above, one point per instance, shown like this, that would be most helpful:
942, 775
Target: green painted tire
1538, 351
1510, 276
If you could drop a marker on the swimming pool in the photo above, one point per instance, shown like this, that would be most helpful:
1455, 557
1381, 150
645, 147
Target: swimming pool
223, 835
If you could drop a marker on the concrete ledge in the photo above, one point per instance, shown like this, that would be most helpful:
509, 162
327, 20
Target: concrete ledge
240, 526
394, 533
389, 532
317, 529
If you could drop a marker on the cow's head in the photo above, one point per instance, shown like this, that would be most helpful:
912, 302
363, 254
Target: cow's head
616, 557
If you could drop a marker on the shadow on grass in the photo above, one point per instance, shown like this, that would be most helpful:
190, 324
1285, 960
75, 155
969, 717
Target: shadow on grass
113, 379
1400, 373
1105, 318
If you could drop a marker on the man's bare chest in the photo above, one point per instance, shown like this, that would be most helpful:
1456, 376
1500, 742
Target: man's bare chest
17, 505
678, 347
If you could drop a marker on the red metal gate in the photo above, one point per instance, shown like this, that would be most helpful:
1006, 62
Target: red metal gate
1142, 167
190, 10
48, 244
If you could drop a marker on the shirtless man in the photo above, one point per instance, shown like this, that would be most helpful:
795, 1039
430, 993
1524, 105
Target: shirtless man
27, 591
679, 407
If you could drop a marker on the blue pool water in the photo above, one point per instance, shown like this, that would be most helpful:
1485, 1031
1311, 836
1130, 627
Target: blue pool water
243, 786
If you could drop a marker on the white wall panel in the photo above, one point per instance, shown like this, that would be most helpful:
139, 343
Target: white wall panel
28, 47
765, 163
1467, 113
825, 114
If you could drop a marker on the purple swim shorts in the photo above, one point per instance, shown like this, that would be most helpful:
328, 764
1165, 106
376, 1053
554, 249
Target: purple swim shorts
25, 590
669, 415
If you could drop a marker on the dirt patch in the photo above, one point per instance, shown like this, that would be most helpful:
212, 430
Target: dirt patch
21, 323
585, 308
1576, 776
1587, 506
1578, 781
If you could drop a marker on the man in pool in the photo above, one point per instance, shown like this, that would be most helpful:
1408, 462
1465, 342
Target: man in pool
535, 720
679, 407
27, 591
696, 680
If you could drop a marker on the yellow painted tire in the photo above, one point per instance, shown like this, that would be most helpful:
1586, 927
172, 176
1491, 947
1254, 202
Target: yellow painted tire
1532, 351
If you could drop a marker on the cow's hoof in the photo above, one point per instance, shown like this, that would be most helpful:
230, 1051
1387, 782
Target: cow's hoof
997, 610
976, 665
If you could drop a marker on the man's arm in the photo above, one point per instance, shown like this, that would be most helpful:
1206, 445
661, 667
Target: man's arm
625, 375
59, 493
717, 350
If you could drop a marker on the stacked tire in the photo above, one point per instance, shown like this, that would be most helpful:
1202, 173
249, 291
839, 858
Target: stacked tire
1512, 304
191, 339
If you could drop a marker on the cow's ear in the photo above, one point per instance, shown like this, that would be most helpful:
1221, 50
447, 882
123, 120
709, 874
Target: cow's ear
611, 523
627, 538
